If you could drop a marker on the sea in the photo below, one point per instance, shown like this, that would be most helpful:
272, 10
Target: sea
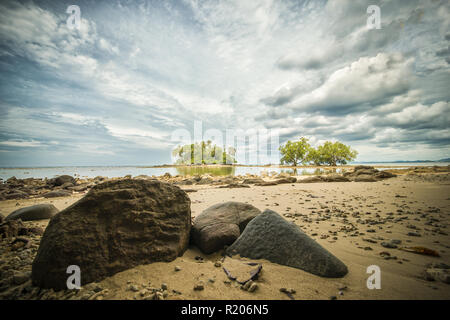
121, 171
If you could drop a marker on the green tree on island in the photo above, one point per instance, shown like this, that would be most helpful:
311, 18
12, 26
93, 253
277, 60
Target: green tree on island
295, 152
203, 153
336, 153
331, 153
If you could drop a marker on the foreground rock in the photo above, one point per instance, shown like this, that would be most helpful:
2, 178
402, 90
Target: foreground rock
221, 225
36, 212
116, 226
271, 237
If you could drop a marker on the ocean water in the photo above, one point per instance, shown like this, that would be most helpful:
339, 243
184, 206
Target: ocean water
121, 171
111, 172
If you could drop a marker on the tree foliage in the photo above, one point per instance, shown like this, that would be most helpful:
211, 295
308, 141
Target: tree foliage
203, 153
331, 153
295, 152
336, 153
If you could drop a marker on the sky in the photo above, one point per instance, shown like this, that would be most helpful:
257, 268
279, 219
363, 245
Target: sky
116, 90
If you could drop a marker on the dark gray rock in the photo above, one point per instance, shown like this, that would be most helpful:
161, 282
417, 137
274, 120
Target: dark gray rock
270, 237
389, 245
16, 194
56, 193
59, 181
334, 178
252, 180
266, 183
286, 180
36, 212
364, 178
221, 225
313, 179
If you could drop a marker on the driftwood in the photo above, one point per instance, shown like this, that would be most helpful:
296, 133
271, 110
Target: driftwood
253, 274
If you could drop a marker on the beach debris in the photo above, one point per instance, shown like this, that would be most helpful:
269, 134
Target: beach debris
288, 292
241, 270
229, 275
421, 250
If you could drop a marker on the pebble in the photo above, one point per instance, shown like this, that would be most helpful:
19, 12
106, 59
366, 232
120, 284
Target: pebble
199, 287
252, 287
389, 245
133, 288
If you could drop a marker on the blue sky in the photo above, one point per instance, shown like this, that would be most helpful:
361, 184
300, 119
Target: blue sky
114, 91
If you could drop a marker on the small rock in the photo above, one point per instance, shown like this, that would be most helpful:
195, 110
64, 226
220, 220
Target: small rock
252, 287
389, 245
133, 288
199, 287
21, 277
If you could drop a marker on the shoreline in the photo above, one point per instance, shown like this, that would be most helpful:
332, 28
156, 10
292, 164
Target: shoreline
372, 164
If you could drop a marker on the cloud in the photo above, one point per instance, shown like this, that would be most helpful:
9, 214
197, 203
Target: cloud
20, 143
98, 95
360, 86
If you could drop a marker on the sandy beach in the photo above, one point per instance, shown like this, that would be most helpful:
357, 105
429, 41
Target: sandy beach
349, 219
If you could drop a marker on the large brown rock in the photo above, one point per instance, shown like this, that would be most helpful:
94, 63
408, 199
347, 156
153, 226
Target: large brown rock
116, 226
221, 224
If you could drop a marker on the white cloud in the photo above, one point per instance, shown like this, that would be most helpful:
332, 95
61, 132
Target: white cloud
21, 143
305, 68
360, 85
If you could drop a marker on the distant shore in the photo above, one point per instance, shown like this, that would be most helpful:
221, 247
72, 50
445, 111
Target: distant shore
351, 165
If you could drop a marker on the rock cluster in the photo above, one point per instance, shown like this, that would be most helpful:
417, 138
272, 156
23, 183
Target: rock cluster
359, 174
367, 174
